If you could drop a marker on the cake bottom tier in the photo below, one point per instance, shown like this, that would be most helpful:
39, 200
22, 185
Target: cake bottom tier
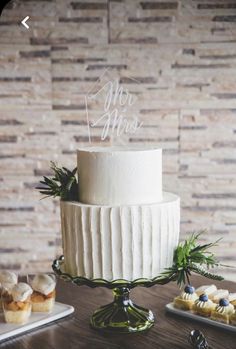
127, 242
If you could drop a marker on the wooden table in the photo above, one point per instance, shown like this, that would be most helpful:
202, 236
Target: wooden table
169, 331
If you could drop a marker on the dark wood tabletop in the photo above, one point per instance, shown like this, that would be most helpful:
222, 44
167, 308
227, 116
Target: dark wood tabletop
169, 331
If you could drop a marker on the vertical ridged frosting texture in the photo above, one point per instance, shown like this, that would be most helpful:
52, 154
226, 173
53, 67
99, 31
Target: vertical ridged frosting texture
126, 242
112, 176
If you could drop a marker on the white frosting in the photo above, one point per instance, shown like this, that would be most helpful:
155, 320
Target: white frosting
217, 295
202, 304
188, 296
21, 292
207, 289
43, 283
7, 279
228, 309
119, 176
120, 242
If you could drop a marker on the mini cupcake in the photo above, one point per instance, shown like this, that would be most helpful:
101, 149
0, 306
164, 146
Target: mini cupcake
219, 294
43, 297
206, 289
17, 305
223, 311
186, 299
203, 306
232, 318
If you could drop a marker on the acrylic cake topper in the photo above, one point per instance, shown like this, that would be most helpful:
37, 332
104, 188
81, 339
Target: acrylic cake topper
110, 109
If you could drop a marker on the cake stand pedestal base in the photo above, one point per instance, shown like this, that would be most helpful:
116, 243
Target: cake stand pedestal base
122, 315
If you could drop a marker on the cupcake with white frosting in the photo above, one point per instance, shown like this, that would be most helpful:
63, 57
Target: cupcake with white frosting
203, 306
8, 279
223, 311
186, 299
17, 305
43, 297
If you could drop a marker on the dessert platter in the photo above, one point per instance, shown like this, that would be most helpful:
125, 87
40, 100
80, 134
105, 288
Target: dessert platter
26, 306
36, 320
120, 229
206, 304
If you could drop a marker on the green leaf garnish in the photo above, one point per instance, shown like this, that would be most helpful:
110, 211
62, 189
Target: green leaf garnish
63, 184
190, 256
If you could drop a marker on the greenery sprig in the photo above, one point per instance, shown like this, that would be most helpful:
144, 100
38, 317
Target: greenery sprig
190, 256
63, 184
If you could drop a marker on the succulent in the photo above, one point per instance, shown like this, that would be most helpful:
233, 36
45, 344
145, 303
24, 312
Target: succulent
63, 183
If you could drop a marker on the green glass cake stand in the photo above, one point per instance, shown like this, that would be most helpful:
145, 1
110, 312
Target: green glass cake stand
122, 315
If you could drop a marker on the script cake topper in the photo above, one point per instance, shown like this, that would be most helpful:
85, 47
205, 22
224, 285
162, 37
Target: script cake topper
112, 111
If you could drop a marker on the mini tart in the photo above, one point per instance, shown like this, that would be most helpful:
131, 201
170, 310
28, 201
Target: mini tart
186, 299
232, 299
223, 311
218, 295
232, 319
206, 289
43, 303
203, 306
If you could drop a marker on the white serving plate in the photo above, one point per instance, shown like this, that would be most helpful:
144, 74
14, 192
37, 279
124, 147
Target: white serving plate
36, 320
189, 315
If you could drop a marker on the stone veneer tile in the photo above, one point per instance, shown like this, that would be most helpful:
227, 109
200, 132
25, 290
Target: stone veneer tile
182, 53
207, 184
152, 5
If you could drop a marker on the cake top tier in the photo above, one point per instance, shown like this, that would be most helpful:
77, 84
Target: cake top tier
120, 176
118, 149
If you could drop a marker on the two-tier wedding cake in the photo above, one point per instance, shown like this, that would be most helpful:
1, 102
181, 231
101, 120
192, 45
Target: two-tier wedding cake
124, 225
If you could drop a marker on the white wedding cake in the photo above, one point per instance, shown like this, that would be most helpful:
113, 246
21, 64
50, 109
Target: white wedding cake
124, 226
